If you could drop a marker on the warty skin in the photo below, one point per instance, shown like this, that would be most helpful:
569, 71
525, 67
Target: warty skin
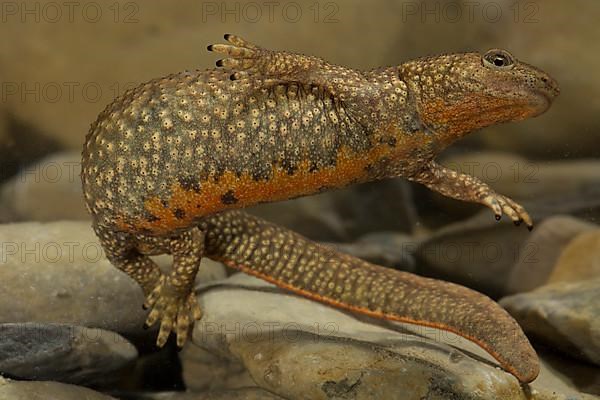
164, 163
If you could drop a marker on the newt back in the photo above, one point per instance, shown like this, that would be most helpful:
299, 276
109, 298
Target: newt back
191, 144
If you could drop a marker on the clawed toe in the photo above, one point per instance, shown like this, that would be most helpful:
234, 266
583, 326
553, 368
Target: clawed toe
242, 56
175, 312
502, 205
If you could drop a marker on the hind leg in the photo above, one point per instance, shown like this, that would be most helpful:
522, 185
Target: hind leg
122, 252
173, 300
170, 297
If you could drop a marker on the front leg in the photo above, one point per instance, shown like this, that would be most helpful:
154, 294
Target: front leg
467, 188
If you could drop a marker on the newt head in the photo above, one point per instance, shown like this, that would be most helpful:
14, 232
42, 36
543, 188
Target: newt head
459, 93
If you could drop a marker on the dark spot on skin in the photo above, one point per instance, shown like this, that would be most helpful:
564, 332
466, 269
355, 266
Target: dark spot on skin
165, 203
332, 161
179, 213
188, 183
152, 218
219, 173
289, 167
229, 198
392, 141
313, 167
369, 167
256, 176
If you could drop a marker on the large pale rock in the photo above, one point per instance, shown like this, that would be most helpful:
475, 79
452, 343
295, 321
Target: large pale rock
34, 390
233, 394
57, 273
301, 349
542, 249
565, 315
202, 371
580, 260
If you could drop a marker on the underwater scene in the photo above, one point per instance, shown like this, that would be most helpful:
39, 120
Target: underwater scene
299, 199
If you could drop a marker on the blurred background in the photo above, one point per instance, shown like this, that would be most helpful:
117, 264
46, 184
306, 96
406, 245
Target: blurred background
61, 63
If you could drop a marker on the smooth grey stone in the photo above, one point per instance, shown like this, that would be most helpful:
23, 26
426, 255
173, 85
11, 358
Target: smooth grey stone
70, 354
541, 251
347, 214
478, 252
390, 249
565, 315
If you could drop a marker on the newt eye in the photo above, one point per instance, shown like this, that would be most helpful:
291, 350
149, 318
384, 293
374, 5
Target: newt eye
498, 59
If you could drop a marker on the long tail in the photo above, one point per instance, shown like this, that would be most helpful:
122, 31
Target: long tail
290, 261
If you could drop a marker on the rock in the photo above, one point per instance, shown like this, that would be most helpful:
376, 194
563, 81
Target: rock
61, 271
301, 349
347, 214
373, 207
233, 394
564, 374
70, 354
390, 249
313, 216
15, 390
32, 195
478, 252
541, 250
203, 371
580, 260
565, 315
497, 258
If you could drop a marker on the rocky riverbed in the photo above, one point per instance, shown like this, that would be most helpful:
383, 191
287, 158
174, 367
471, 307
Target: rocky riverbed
72, 324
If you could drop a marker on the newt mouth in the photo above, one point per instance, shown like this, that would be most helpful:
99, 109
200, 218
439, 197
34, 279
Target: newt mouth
549, 89
544, 98
549, 93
